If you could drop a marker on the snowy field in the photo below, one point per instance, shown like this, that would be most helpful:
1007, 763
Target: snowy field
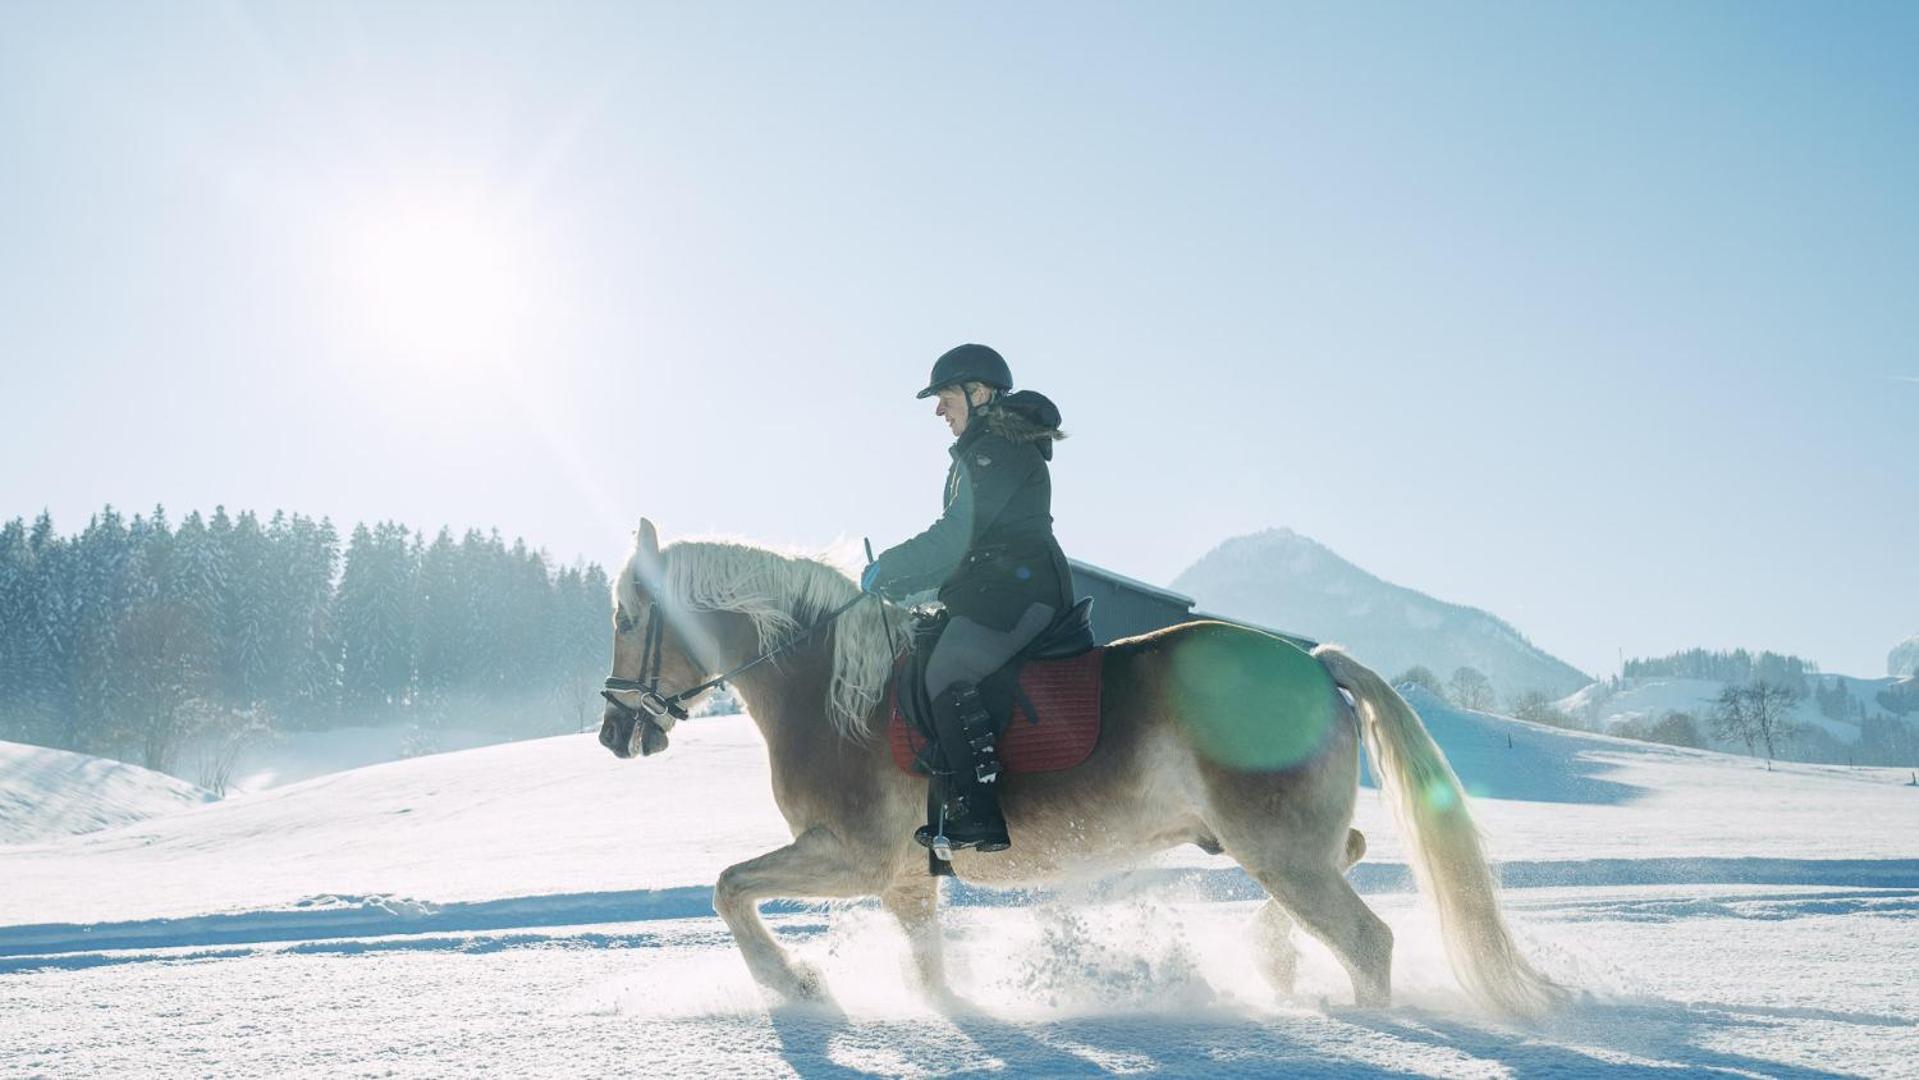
542, 908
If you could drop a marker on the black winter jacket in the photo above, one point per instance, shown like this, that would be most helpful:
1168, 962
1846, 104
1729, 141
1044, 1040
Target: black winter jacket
992, 552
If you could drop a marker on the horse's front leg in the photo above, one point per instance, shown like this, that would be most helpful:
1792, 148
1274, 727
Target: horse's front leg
817, 864
915, 903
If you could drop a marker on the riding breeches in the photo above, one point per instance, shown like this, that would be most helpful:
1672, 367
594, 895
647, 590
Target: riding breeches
968, 651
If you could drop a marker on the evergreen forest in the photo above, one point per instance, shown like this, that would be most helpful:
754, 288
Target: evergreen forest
135, 636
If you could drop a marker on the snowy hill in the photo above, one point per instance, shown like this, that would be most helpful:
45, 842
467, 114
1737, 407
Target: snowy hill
541, 898
1291, 582
1903, 660
1833, 715
46, 793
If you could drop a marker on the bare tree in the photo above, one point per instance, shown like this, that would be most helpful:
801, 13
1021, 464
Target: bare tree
225, 736
1770, 705
577, 693
1470, 689
1729, 719
162, 695
1421, 676
1759, 715
1537, 706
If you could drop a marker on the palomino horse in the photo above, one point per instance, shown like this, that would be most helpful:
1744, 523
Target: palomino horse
1157, 778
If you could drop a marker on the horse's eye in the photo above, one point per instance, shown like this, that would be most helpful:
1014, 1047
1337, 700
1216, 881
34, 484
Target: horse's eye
622, 623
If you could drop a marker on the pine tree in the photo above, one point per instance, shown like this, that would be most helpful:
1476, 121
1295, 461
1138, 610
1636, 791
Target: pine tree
373, 617
312, 689
52, 631
247, 617
442, 615
97, 595
26, 659
165, 651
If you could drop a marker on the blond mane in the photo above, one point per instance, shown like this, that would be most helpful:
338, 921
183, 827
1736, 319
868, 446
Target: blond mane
783, 596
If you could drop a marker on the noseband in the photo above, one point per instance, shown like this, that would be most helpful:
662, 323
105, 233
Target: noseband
653, 706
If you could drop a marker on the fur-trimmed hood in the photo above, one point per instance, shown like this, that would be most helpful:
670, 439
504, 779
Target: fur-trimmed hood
1025, 417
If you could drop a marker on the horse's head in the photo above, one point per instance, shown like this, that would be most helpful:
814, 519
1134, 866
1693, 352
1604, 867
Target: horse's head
651, 655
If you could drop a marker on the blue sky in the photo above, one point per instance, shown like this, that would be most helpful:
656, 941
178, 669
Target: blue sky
1599, 317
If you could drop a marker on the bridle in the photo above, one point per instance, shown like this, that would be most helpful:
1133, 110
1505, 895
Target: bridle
655, 707
652, 658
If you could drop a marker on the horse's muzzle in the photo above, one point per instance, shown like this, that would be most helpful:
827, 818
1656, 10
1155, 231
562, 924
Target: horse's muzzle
620, 730
614, 738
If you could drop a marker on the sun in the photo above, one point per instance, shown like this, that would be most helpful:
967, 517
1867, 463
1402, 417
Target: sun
436, 282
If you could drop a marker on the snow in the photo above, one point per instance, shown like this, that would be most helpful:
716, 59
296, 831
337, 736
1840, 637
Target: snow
45, 794
1903, 660
291, 757
1646, 700
542, 907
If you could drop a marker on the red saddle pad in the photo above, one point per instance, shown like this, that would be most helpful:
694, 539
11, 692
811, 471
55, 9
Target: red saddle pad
1065, 693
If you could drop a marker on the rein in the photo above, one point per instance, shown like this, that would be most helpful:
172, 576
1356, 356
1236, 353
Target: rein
654, 706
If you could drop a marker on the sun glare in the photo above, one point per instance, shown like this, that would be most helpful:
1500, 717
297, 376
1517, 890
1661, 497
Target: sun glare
437, 283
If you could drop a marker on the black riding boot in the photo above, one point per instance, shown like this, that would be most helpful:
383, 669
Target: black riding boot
968, 743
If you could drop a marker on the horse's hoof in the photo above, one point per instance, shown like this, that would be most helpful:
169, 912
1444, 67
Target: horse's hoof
1370, 1000
805, 984
946, 1000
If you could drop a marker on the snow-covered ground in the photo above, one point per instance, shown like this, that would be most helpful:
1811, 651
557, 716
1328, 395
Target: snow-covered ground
542, 907
290, 757
45, 794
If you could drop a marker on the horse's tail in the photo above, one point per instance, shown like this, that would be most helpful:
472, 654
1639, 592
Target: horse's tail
1446, 857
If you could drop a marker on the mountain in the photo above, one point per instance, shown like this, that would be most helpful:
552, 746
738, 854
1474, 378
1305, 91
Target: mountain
1904, 658
1290, 582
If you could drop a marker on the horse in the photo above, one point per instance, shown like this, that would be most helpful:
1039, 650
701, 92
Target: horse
1155, 780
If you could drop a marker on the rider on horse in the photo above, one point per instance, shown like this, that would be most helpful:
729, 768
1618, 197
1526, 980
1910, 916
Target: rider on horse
1000, 572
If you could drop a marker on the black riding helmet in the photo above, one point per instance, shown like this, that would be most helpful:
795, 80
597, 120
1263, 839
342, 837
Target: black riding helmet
969, 363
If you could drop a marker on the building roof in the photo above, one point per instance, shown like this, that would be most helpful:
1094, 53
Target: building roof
1181, 600
1131, 583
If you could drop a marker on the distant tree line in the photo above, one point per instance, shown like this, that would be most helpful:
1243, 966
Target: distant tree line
1755, 709
1737, 666
134, 636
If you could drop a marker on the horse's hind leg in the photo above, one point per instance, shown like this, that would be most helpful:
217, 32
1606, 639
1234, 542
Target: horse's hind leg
915, 903
1278, 957
1326, 905
816, 864
1303, 868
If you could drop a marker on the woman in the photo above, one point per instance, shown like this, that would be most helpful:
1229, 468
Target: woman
999, 571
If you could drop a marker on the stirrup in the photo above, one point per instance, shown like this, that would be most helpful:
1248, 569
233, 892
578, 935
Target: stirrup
939, 844
943, 845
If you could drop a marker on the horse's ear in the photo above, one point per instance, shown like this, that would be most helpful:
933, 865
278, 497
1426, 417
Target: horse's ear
649, 544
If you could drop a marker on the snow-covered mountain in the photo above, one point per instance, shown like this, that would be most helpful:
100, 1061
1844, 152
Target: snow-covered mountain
45, 794
1290, 582
1903, 660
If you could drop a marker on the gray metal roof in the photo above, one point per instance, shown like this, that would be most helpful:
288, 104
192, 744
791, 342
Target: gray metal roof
1132, 583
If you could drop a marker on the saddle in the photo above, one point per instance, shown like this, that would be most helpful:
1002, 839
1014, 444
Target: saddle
1052, 687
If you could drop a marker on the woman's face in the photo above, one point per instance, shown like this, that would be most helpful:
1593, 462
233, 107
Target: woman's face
952, 406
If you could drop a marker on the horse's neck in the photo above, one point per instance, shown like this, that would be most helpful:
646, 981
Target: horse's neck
787, 699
